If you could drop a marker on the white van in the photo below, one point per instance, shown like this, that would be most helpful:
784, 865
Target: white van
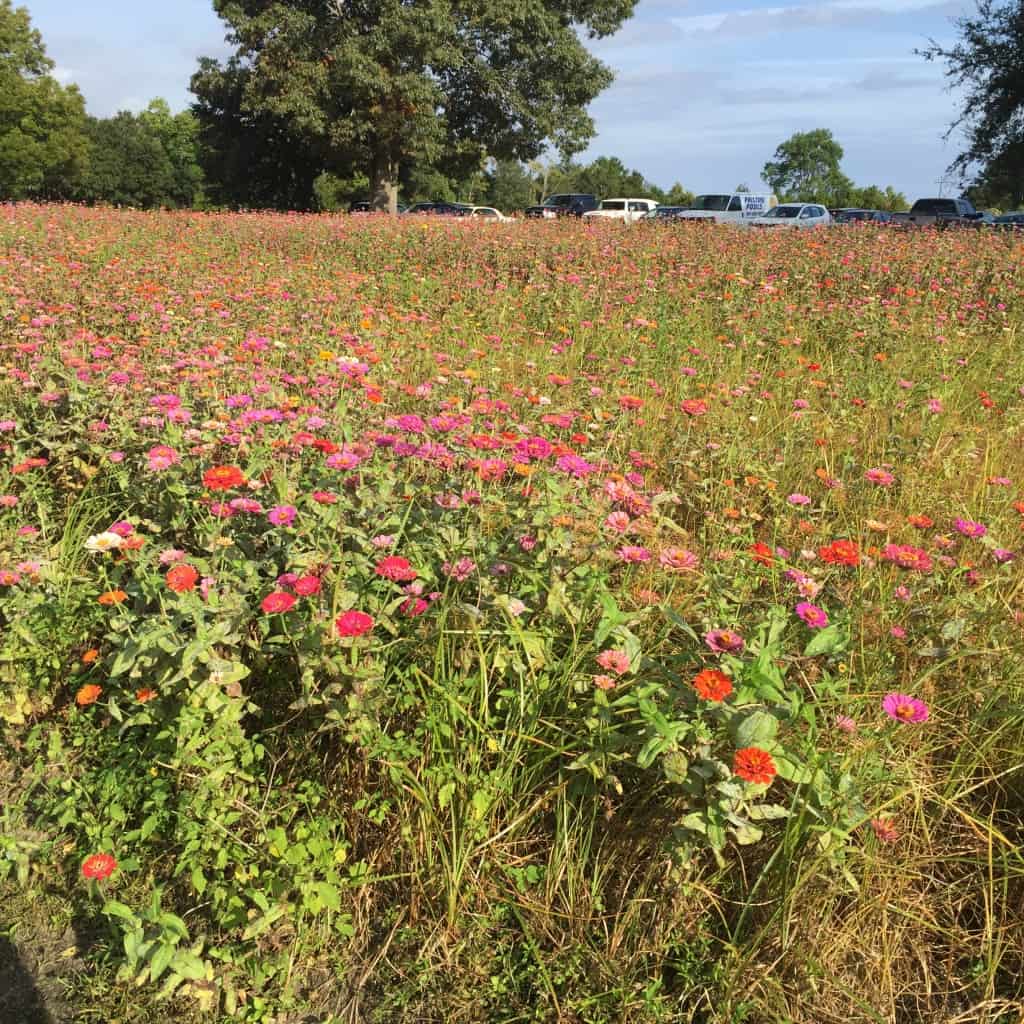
730, 207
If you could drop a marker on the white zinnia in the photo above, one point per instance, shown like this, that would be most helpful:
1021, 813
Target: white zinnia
106, 541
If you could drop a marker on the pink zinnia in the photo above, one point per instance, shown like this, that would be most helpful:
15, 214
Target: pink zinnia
901, 708
282, 515
396, 569
632, 553
614, 661
723, 641
969, 528
814, 616
678, 560
353, 623
906, 556
882, 477
306, 586
161, 457
277, 602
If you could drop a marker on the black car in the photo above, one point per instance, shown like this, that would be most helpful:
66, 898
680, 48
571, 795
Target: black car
858, 216
1009, 222
662, 213
570, 204
441, 209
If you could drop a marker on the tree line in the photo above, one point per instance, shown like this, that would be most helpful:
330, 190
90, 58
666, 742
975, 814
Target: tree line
323, 104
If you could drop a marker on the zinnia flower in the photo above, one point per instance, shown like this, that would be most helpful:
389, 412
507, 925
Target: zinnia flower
306, 586
277, 601
969, 528
98, 866
678, 560
112, 597
396, 569
353, 623
282, 515
902, 708
106, 541
223, 478
814, 616
885, 830
840, 552
88, 694
754, 765
145, 695
723, 641
182, 578
713, 685
614, 661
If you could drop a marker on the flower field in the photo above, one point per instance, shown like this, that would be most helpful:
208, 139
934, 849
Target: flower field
433, 621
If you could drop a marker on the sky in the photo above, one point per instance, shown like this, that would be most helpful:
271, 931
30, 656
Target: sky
704, 90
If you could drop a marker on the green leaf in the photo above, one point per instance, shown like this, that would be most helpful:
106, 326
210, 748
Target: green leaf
767, 812
754, 729
161, 961
114, 909
829, 640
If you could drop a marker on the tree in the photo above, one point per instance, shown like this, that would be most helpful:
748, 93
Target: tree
805, 168
987, 63
127, 165
510, 186
871, 197
178, 135
678, 196
375, 85
43, 148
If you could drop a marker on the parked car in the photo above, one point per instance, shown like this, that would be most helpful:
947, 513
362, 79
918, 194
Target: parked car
730, 207
1010, 222
939, 213
441, 209
573, 204
664, 213
794, 215
855, 215
627, 210
489, 213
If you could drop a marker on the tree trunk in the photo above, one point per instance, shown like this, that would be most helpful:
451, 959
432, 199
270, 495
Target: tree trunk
385, 186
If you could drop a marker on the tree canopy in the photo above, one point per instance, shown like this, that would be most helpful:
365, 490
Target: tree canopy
987, 63
805, 168
43, 147
373, 85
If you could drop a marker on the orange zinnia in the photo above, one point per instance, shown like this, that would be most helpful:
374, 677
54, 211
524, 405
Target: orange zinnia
90, 656
223, 478
754, 765
88, 694
711, 684
144, 695
182, 578
112, 597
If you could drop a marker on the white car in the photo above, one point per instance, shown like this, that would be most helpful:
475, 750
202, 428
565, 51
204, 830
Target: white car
628, 210
730, 207
489, 213
794, 215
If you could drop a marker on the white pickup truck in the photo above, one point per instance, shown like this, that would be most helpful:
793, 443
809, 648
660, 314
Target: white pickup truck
729, 207
628, 210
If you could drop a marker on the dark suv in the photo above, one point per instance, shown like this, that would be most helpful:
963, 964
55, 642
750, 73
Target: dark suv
573, 204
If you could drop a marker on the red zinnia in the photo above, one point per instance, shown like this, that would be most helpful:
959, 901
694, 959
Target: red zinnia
223, 478
840, 552
98, 866
88, 694
353, 623
712, 684
396, 568
762, 553
754, 765
278, 601
182, 578
306, 586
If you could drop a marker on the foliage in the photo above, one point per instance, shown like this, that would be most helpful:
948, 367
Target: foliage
805, 168
459, 621
43, 147
986, 64
373, 88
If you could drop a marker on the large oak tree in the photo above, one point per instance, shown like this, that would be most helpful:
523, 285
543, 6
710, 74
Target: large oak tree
987, 64
374, 85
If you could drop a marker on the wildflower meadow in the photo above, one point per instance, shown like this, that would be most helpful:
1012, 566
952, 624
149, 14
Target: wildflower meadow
443, 621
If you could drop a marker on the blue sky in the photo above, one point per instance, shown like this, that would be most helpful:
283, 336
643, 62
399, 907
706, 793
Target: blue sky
704, 93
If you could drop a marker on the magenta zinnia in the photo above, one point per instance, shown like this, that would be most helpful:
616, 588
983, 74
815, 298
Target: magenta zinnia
902, 708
